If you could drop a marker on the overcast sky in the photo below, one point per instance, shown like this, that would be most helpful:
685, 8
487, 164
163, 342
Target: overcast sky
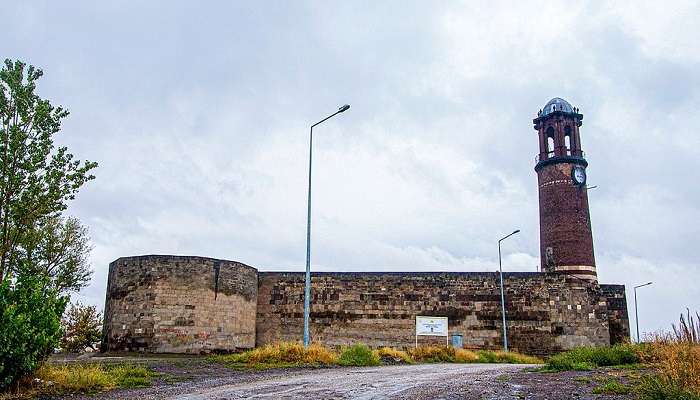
199, 117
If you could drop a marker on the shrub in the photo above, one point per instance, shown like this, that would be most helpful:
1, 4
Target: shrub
388, 355
30, 315
358, 355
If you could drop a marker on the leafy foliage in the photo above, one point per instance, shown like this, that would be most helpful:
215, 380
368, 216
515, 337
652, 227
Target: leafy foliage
36, 180
82, 326
42, 254
29, 325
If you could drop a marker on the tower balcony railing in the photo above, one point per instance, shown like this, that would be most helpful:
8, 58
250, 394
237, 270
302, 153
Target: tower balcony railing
567, 153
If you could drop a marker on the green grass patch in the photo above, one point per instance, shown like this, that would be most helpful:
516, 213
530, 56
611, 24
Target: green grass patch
358, 355
92, 378
501, 357
612, 386
587, 358
655, 387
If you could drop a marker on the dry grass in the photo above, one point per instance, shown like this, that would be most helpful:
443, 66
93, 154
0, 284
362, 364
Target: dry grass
80, 378
511, 357
432, 354
282, 354
465, 356
676, 356
390, 355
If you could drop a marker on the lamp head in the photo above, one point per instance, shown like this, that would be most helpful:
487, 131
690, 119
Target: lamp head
344, 108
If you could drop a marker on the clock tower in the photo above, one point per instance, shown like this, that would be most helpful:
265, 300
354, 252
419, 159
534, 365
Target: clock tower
566, 241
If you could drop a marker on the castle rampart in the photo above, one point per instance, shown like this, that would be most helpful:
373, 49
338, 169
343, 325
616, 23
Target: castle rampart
178, 304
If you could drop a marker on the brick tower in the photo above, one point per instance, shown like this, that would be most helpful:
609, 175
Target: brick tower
566, 242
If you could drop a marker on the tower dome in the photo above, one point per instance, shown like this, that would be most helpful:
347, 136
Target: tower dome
557, 104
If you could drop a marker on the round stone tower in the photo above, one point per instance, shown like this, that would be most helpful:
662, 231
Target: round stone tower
566, 241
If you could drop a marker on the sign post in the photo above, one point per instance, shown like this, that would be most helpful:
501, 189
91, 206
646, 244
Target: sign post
432, 326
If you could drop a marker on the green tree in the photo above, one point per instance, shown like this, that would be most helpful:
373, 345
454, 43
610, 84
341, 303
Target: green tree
42, 254
36, 178
82, 327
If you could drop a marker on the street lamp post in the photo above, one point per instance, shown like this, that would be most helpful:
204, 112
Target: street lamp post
636, 315
307, 284
503, 298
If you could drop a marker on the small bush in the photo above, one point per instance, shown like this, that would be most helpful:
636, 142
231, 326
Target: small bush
358, 355
388, 355
611, 386
586, 358
432, 354
30, 315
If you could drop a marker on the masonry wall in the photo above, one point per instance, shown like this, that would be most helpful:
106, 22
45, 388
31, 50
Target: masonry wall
547, 312
618, 319
174, 304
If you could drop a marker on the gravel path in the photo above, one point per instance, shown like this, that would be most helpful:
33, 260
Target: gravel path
398, 382
425, 381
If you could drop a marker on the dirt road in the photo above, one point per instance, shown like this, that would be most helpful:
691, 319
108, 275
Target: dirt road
430, 381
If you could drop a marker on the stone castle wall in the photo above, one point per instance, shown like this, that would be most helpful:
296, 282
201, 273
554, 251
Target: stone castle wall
617, 312
174, 304
546, 313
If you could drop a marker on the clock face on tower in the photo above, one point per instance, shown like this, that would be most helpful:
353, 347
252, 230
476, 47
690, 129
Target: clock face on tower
578, 175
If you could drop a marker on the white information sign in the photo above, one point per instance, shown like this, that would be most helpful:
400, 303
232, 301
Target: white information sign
431, 326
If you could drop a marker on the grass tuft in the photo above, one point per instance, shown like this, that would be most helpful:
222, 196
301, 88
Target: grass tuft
612, 386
